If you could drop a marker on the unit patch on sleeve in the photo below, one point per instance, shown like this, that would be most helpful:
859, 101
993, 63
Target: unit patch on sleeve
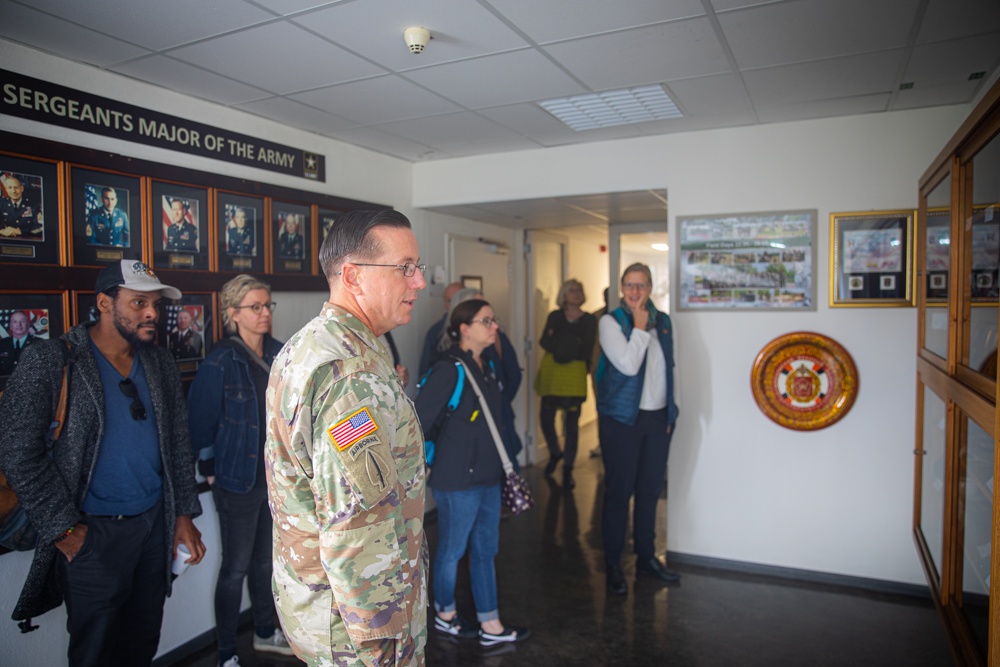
349, 430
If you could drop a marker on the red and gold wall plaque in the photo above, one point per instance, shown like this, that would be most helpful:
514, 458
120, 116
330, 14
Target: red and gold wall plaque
804, 381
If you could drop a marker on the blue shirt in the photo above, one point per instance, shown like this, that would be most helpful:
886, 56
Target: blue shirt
128, 475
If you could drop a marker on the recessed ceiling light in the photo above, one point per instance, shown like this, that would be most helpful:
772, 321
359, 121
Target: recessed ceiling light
662, 247
613, 107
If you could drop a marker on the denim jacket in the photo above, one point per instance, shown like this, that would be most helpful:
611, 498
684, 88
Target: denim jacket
222, 408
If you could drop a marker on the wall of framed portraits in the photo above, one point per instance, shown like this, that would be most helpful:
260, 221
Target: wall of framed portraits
955, 519
65, 212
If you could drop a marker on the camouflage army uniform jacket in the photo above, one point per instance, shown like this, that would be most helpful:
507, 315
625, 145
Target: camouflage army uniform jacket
345, 479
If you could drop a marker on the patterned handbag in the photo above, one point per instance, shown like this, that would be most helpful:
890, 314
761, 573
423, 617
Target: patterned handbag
515, 492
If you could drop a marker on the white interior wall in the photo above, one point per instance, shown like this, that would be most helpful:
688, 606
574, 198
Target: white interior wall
352, 172
838, 500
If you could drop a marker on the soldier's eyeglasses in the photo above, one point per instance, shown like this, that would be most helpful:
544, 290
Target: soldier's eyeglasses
408, 269
258, 308
137, 409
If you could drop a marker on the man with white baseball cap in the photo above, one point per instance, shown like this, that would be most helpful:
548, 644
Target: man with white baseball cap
116, 494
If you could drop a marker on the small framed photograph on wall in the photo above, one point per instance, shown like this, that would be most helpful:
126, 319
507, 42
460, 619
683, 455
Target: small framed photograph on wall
25, 319
326, 218
179, 226
29, 211
291, 238
187, 329
106, 214
871, 258
84, 307
240, 221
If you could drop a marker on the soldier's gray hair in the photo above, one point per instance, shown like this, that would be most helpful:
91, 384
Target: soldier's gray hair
233, 293
351, 237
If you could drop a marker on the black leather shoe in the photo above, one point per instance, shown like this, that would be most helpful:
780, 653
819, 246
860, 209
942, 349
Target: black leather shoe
568, 483
616, 581
654, 568
553, 462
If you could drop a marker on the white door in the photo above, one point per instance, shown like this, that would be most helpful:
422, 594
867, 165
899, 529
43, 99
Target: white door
645, 242
485, 265
546, 261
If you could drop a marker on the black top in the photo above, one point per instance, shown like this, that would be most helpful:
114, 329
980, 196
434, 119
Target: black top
465, 453
558, 329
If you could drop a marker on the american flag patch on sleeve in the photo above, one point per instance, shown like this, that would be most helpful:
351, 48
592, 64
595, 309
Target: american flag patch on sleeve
351, 429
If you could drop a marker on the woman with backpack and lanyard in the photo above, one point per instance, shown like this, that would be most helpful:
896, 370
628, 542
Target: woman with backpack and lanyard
466, 474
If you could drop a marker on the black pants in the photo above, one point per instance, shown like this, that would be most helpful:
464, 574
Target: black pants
571, 425
115, 588
635, 463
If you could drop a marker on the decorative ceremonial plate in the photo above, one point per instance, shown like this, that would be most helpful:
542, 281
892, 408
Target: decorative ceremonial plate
804, 381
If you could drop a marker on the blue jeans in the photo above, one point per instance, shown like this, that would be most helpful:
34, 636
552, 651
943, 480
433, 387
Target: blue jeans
245, 533
468, 518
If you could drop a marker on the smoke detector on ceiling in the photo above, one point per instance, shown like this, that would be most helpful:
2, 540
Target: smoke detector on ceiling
416, 39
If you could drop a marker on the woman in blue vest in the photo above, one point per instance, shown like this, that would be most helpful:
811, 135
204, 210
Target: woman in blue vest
637, 413
226, 408
466, 474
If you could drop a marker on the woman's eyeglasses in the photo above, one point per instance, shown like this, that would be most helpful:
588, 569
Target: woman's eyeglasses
258, 308
487, 321
137, 409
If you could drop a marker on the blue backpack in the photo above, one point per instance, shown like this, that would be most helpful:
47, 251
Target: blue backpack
456, 396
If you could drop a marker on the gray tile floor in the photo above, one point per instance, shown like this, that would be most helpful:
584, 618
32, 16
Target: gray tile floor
550, 578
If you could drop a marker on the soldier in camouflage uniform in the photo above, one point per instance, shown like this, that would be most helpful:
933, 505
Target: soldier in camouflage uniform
345, 460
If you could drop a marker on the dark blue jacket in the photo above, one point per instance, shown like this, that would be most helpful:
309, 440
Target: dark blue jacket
618, 394
222, 408
466, 455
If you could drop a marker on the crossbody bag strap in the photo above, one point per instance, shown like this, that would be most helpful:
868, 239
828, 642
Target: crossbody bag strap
253, 355
59, 419
507, 466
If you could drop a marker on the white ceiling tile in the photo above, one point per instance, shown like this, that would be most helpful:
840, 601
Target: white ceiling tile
452, 128
710, 95
804, 30
554, 20
377, 100
847, 106
278, 57
928, 96
824, 79
505, 78
388, 144
695, 123
527, 118
62, 38
459, 29
296, 114
183, 78
285, 7
727, 5
563, 138
158, 25
644, 55
948, 19
952, 61
467, 148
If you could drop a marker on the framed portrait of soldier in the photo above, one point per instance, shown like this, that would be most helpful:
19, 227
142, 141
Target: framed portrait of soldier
326, 218
179, 226
30, 232
84, 307
187, 329
240, 233
291, 237
106, 214
26, 319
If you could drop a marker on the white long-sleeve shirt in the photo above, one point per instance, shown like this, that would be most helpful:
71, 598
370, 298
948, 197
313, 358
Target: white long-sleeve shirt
627, 356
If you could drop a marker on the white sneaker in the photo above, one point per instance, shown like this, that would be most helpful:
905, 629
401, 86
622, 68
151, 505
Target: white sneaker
232, 662
276, 643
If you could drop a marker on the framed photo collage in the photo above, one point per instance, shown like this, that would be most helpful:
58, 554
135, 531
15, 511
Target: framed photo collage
60, 220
